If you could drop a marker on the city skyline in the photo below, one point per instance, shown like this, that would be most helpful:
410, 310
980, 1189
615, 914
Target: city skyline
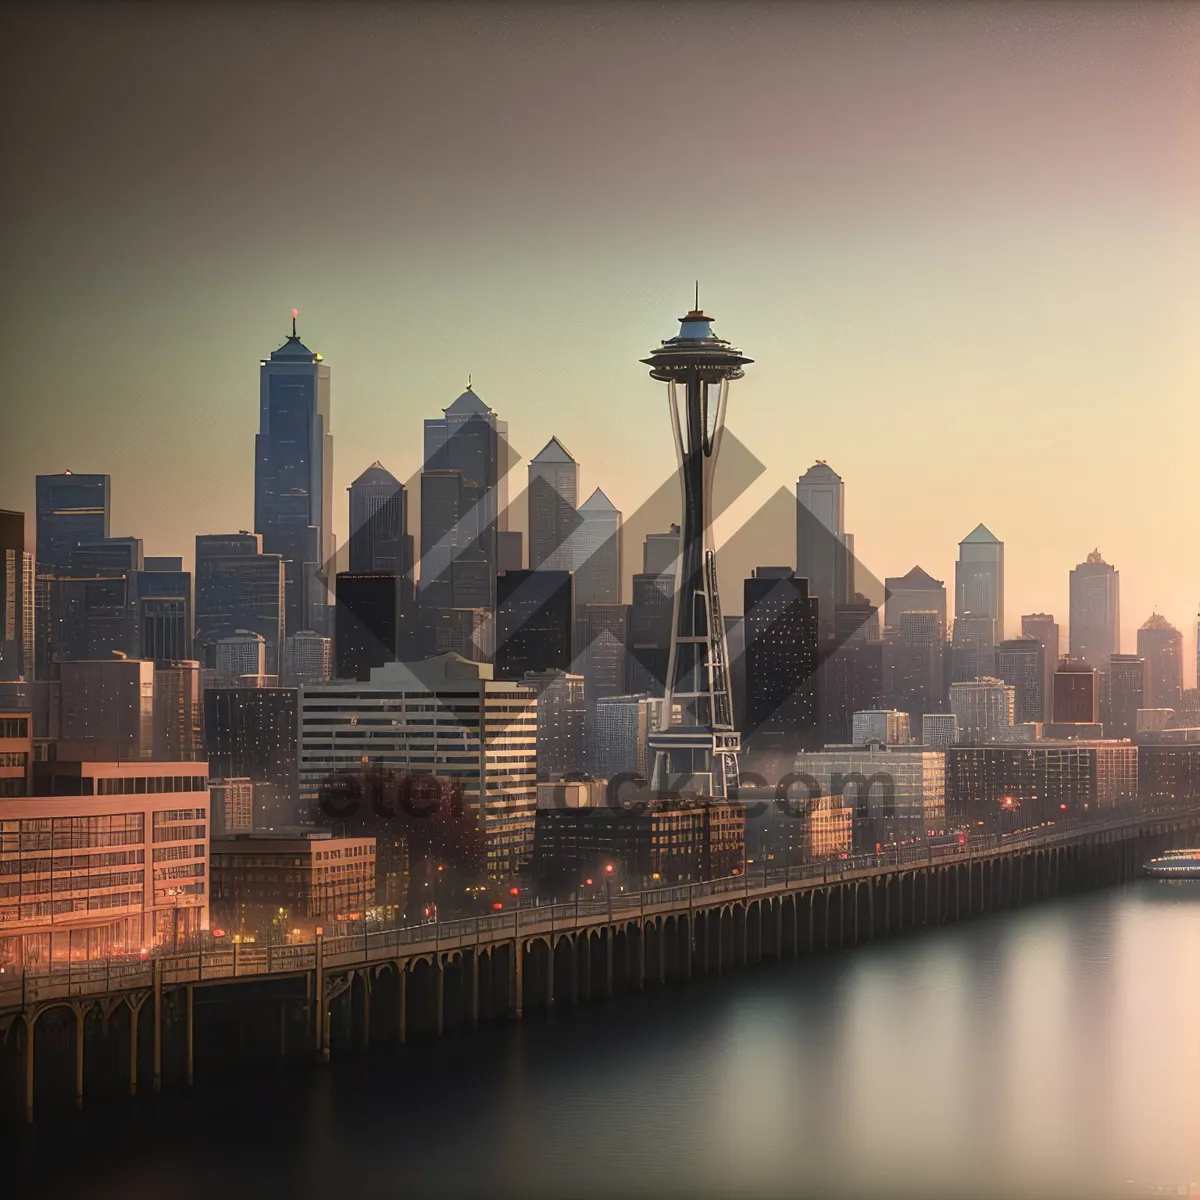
909, 304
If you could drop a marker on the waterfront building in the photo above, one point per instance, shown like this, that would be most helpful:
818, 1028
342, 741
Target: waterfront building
445, 716
104, 859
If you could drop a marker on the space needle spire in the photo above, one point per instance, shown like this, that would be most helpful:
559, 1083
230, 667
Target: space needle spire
698, 755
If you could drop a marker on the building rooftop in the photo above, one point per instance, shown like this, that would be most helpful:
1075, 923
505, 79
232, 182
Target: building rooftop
376, 473
553, 452
820, 472
917, 580
467, 405
981, 533
598, 502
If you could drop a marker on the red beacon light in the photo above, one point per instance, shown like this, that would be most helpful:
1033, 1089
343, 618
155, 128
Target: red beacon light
608, 870
497, 905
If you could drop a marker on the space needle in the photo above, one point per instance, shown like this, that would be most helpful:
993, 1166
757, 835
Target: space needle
699, 753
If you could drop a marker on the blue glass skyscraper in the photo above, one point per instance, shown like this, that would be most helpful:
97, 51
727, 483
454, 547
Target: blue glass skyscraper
293, 478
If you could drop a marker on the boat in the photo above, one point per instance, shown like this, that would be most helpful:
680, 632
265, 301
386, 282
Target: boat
1175, 864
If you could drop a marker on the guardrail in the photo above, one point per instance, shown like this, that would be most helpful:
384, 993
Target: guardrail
79, 979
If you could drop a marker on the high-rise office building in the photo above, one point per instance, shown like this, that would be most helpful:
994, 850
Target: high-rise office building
917, 591
660, 552
238, 587
1161, 645
1076, 698
13, 665
374, 622
469, 441
781, 658
602, 633
293, 478
618, 735
380, 543
307, 658
824, 551
553, 496
250, 733
1095, 618
164, 599
535, 615
561, 715
483, 737
242, 653
979, 579
884, 727
650, 633
71, 509
972, 648
93, 606
178, 713
1123, 688
464, 631
913, 657
107, 709
939, 731
1044, 628
982, 708
849, 680
596, 551
1021, 663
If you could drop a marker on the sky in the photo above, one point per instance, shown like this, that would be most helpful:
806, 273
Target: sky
961, 243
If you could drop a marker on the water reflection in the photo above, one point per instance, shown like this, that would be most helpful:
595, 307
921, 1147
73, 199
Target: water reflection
1054, 1051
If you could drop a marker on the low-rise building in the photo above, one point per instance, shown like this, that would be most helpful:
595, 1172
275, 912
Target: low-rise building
266, 885
103, 859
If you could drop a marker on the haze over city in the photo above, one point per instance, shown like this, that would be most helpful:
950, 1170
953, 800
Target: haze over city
961, 244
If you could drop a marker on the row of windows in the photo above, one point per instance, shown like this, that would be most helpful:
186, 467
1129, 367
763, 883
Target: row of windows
25, 865
151, 784
44, 886
183, 871
53, 908
14, 727
178, 833
171, 815
13, 758
167, 853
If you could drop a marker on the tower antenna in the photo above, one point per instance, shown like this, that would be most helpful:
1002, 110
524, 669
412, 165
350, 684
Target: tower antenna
697, 308
295, 314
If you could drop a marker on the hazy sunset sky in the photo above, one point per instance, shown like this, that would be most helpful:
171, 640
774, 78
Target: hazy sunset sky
962, 244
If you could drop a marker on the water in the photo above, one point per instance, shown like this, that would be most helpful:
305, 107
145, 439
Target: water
1051, 1051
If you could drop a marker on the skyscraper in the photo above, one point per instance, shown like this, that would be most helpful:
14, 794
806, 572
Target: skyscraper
108, 709
238, 588
178, 715
1095, 617
982, 708
293, 477
307, 658
917, 591
242, 653
535, 615
659, 552
12, 597
553, 496
1122, 693
979, 579
973, 648
824, 551
1044, 628
700, 752
1021, 663
70, 509
914, 656
561, 712
374, 622
164, 598
596, 551
602, 633
1161, 645
1076, 693
380, 543
781, 659
471, 441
